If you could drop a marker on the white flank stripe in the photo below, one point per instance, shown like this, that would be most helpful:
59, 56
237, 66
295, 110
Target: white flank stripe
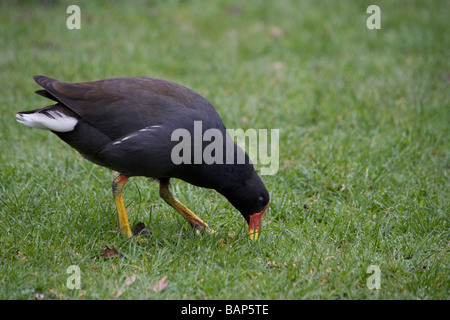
125, 139
135, 134
151, 128
59, 123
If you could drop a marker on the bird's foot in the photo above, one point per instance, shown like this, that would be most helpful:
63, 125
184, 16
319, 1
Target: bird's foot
202, 227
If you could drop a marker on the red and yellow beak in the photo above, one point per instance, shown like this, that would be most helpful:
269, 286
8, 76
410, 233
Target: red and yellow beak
255, 223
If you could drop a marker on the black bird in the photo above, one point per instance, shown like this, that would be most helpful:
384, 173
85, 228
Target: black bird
135, 125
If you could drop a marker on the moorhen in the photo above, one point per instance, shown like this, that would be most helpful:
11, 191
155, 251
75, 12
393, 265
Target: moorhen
135, 125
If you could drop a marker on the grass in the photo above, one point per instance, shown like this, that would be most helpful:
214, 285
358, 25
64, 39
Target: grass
364, 109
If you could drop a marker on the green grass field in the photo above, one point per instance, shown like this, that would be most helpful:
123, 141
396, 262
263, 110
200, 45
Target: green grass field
365, 109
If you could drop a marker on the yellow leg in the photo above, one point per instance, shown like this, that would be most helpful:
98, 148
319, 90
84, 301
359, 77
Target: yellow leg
122, 218
166, 194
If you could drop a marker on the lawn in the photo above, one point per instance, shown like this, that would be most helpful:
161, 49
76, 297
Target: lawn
364, 153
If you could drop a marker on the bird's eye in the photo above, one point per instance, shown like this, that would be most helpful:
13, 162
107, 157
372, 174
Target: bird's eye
261, 200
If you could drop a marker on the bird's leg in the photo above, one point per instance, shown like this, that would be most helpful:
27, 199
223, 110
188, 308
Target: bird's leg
122, 218
166, 194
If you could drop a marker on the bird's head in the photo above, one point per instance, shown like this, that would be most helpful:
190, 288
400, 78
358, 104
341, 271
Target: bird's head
251, 198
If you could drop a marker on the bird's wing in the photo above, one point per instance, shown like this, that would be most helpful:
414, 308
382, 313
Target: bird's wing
120, 106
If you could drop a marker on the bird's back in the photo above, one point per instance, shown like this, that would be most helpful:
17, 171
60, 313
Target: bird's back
126, 124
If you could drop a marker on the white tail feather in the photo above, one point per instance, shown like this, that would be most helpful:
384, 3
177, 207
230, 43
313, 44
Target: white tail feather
51, 120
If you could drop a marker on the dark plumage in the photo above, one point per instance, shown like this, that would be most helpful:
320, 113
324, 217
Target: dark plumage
126, 124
